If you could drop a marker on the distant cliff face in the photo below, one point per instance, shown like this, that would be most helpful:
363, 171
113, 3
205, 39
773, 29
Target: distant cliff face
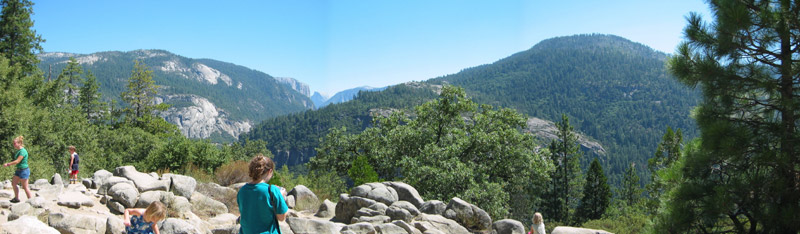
208, 97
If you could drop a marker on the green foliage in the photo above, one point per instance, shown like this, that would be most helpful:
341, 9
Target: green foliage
744, 176
564, 189
453, 148
622, 219
89, 99
361, 172
668, 152
631, 190
19, 43
596, 194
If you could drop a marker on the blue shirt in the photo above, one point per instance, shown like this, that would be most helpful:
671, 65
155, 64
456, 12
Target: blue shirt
139, 226
258, 204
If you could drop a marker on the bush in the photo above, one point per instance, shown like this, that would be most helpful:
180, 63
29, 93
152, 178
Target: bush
233, 172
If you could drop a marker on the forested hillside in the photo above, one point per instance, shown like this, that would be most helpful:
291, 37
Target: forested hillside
238, 93
614, 90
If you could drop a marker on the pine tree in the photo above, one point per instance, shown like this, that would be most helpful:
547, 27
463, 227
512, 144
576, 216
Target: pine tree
596, 194
631, 191
71, 76
667, 152
19, 43
746, 175
140, 96
89, 98
361, 172
564, 188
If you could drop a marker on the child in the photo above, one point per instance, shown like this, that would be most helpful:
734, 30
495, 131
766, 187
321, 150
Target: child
22, 173
261, 205
73, 165
143, 221
538, 224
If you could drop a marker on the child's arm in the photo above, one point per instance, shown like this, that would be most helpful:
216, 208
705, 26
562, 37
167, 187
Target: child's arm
155, 228
131, 211
15, 161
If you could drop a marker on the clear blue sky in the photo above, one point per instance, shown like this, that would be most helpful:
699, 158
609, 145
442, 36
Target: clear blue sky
336, 45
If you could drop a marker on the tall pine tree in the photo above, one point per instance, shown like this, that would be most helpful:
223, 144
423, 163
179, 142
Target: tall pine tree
631, 191
19, 43
564, 188
89, 98
667, 152
746, 176
596, 194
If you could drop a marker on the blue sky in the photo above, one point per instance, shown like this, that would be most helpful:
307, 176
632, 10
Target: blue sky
337, 45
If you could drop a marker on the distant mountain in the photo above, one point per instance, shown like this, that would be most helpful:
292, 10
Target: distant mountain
345, 95
209, 98
292, 83
319, 99
615, 91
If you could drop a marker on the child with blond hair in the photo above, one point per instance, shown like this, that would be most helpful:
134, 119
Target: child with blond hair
23, 173
143, 221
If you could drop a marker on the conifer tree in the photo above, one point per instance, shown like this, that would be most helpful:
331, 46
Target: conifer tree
19, 43
564, 188
667, 152
361, 172
631, 191
745, 177
71, 76
89, 98
140, 96
596, 194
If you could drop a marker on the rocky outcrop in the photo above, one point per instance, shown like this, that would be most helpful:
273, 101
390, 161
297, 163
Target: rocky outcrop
293, 83
385, 208
202, 118
574, 230
547, 130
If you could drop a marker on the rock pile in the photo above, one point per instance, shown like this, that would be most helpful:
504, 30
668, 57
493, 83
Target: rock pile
96, 206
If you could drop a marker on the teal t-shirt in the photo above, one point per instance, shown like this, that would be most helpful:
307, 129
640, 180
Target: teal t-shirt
24, 163
257, 208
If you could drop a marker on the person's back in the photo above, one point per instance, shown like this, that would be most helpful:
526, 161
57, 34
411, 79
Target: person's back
538, 224
256, 205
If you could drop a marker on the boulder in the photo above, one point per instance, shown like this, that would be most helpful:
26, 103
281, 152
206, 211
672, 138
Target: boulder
87, 183
181, 185
377, 192
5, 204
326, 210
109, 182
74, 200
22, 209
177, 226
77, 223
290, 202
216, 191
115, 225
143, 181
300, 225
468, 215
348, 206
508, 226
56, 180
179, 207
5, 194
235, 230
146, 198
37, 202
223, 220
389, 228
574, 230
365, 211
426, 223
124, 193
25, 225
378, 219
49, 192
406, 193
359, 228
435, 207
402, 210
205, 206
38, 184
115, 206
406, 226
305, 199
99, 178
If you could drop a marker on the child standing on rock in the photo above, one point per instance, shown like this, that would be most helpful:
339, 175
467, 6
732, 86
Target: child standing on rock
143, 221
73, 165
23, 173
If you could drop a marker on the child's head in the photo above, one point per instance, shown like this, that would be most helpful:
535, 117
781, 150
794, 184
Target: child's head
19, 141
71, 148
260, 166
537, 218
155, 212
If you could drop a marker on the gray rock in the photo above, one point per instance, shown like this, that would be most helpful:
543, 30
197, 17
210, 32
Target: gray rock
99, 178
5, 204
177, 226
574, 230
4, 194
508, 226
37, 202
426, 222
402, 210
74, 200
347, 207
88, 183
226, 219
50, 192
115, 225
360, 228
389, 228
376, 191
26, 225
406, 226
115, 206
300, 225
144, 182
38, 184
468, 215
181, 185
326, 210
305, 199
124, 193
56, 180
77, 223
378, 219
290, 202
22, 209
110, 182
434, 207
364, 211
179, 207
216, 192
234, 229
205, 206
406, 193
146, 198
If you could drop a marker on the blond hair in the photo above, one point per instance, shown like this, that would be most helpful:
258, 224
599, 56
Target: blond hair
260, 166
155, 211
71, 148
537, 218
20, 140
